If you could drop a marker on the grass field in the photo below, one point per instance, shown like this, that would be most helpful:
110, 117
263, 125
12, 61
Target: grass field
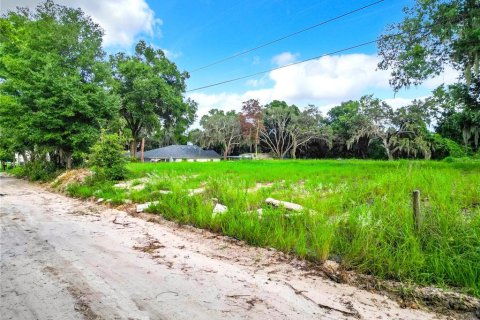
356, 212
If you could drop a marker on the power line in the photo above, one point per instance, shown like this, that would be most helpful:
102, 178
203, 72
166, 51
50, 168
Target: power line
287, 36
285, 66
322, 55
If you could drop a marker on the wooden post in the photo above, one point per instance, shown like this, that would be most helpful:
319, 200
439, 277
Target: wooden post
417, 218
142, 147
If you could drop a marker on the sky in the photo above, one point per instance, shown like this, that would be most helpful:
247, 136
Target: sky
195, 33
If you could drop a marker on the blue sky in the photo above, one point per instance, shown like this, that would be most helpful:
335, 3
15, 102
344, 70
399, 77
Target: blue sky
203, 31
194, 33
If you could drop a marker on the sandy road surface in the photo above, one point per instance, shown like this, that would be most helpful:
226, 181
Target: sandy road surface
62, 258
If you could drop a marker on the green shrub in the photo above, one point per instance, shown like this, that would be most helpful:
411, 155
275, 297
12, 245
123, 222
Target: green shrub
37, 170
444, 147
107, 157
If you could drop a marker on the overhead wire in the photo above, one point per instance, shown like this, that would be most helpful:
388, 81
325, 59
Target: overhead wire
287, 36
310, 59
282, 67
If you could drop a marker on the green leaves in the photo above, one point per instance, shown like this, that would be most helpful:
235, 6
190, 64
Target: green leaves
151, 88
51, 66
434, 34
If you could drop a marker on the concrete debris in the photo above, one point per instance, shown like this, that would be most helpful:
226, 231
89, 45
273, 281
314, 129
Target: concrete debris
193, 192
287, 205
142, 207
138, 187
259, 186
140, 184
219, 208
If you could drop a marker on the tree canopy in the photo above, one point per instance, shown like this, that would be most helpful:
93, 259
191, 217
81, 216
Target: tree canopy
151, 90
54, 83
434, 35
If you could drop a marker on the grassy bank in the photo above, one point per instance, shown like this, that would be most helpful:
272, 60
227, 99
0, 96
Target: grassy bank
357, 212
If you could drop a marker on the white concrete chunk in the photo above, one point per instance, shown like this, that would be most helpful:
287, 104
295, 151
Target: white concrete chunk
287, 205
219, 208
193, 192
142, 207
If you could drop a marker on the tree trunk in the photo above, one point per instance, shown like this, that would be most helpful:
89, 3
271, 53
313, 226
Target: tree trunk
294, 149
387, 150
68, 162
24, 157
225, 151
389, 154
142, 149
257, 140
133, 147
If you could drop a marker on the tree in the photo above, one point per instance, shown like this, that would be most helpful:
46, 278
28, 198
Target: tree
6, 152
197, 136
433, 35
151, 89
252, 123
54, 84
286, 128
222, 128
277, 117
345, 120
308, 126
457, 111
399, 131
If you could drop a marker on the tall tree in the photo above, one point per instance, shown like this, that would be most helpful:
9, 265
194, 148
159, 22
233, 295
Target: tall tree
53, 81
398, 131
286, 128
251, 120
277, 117
434, 34
457, 111
308, 126
345, 120
222, 128
151, 89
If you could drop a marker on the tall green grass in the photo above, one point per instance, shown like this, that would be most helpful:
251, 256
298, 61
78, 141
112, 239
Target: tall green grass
357, 211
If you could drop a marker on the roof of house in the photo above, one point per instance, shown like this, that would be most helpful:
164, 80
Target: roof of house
181, 152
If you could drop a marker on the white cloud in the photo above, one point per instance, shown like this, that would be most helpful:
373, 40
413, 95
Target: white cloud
122, 20
284, 58
449, 76
329, 78
325, 82
171, 54
257, 82
399, 102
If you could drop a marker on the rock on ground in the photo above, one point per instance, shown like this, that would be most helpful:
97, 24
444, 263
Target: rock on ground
219, 208
287, 205
58, 263
142, 207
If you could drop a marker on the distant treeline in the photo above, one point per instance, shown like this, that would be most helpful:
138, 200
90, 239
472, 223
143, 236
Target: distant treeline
59, 91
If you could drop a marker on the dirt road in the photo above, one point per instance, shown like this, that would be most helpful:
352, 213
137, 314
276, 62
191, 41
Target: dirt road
62, 258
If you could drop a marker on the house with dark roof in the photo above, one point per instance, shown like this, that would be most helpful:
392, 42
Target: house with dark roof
180, 153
